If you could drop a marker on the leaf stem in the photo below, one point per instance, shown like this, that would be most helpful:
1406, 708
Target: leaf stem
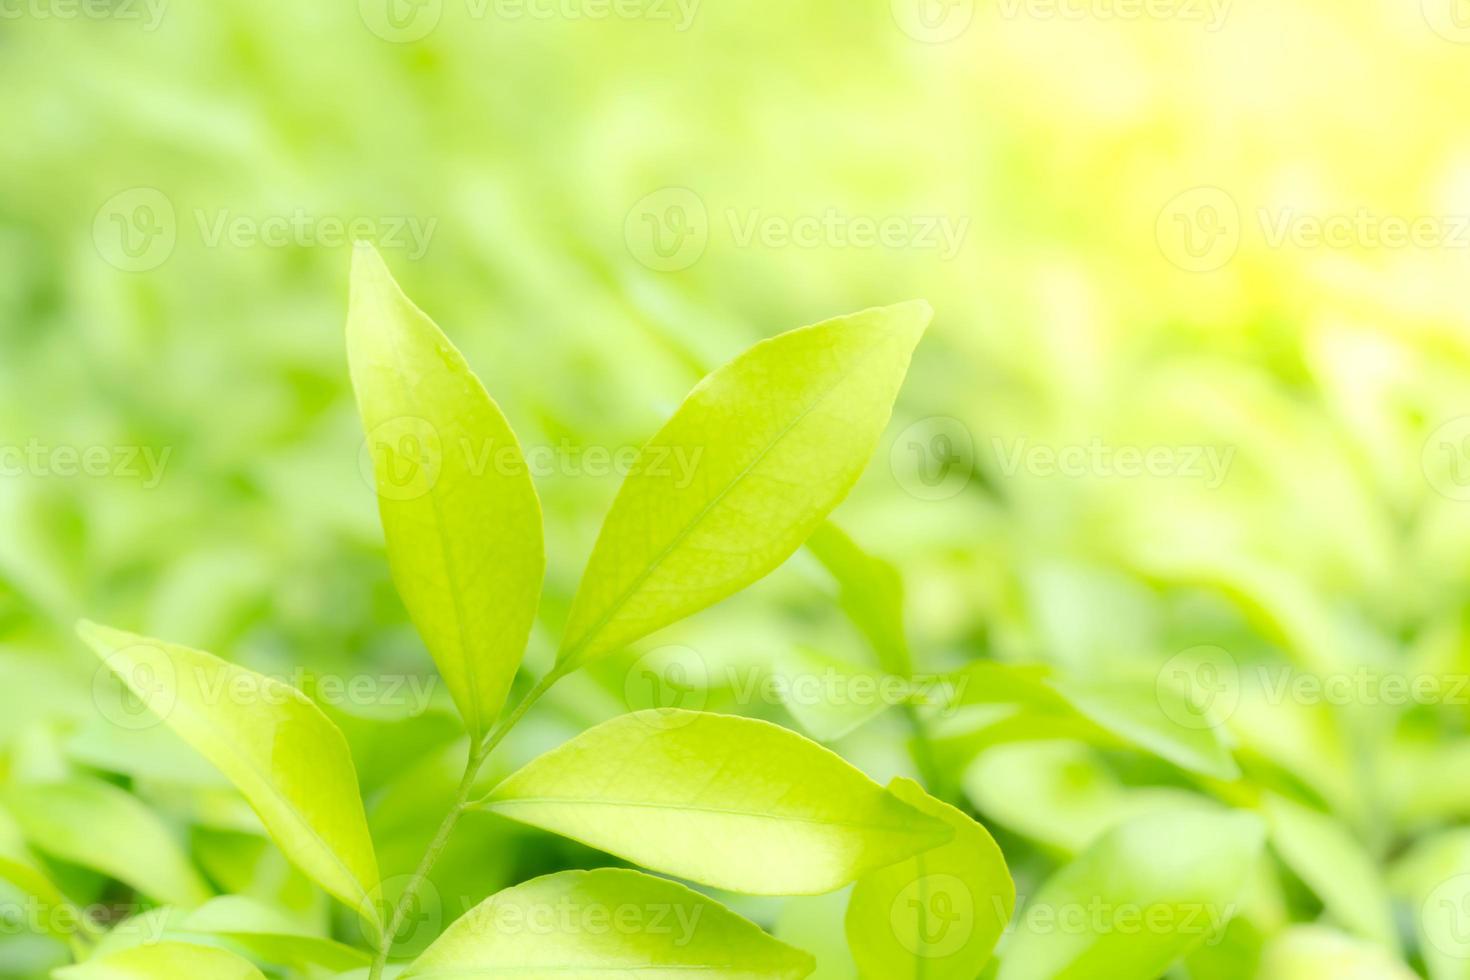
479, 752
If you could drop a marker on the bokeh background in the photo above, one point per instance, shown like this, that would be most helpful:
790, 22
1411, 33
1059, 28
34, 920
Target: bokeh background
1199, 377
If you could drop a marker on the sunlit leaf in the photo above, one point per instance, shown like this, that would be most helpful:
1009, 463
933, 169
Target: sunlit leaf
729, 802
459, 511
287, 759
608, 923
752, 462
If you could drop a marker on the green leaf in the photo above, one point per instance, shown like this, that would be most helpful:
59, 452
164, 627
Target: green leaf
728, 802
870, 591
287, 759
164, 961
1137, 899
459, 511
270, 934
96, 825
752, 462
938, 915
1334, 865
608, 923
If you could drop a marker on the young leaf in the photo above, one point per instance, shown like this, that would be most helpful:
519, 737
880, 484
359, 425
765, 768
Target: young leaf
871, 593
164, 961
96, 825
286, 758
728, 802
938, 915
608, 923
1138, 898
766, 447
459, 512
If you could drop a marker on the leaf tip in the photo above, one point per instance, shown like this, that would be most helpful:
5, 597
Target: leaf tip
371, 281
93, 634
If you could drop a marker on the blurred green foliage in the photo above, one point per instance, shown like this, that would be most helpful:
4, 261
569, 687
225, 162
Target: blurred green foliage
1114, 290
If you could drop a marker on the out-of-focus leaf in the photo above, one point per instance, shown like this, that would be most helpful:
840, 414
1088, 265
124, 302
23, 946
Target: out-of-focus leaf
1319, 953
607, 923
748, 467
814, 923
250, 865
1138, 899
164, 961
937, 915
1434, 880
21, 869
1327, 857
729, 802
147, 928
1117, 710
97, 825
1148, 715
870, 591
459, 511
287, 759
269, 934
830, 698
154, 752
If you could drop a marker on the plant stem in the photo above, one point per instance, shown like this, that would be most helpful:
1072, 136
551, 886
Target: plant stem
479, 752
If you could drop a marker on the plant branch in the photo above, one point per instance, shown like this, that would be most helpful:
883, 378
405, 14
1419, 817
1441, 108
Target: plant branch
479, 752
